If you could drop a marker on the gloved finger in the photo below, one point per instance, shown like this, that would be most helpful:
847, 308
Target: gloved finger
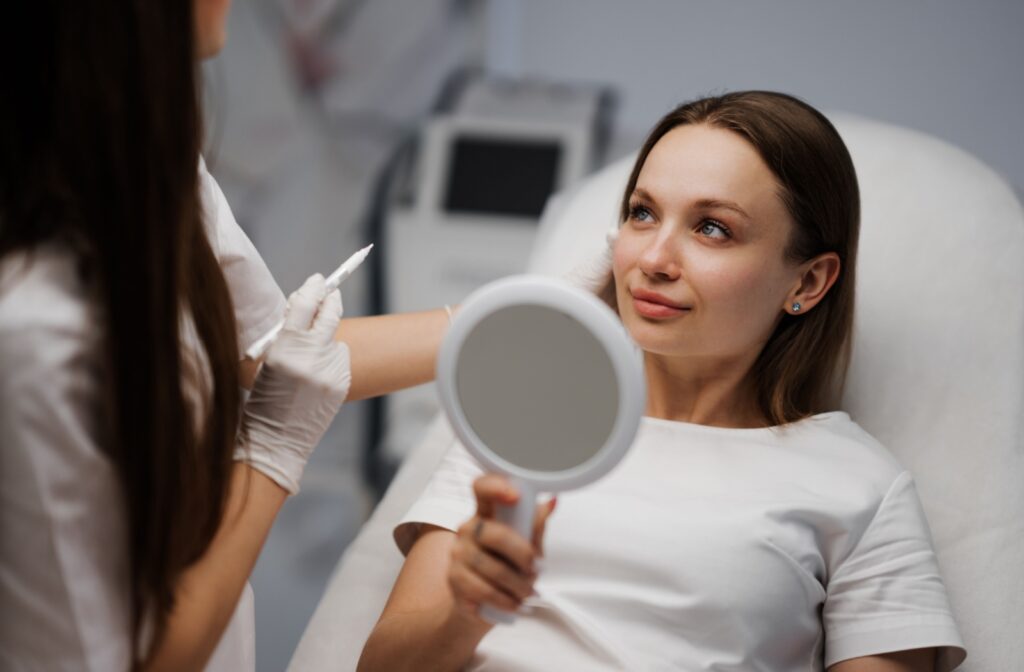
325, 324
303, 303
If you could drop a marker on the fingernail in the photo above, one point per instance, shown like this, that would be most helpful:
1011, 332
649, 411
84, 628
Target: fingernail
552, 503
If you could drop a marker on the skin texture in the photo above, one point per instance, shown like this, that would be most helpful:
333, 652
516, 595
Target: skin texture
210, 26
707, 233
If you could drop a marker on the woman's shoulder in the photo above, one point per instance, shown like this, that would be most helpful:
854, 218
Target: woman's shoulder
837, 430
845, 454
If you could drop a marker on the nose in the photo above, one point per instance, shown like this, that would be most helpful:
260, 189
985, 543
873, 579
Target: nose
660, 259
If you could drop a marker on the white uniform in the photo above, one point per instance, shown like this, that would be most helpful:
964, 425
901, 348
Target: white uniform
64, 595
722, 549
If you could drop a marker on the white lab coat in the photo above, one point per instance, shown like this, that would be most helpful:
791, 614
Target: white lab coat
64, 598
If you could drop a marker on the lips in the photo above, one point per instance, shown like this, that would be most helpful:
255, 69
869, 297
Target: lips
654, 305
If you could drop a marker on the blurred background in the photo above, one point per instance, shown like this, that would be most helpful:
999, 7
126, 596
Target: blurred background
335, 123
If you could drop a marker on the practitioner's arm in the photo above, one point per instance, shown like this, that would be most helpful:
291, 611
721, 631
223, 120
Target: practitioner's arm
431, 620
392, 352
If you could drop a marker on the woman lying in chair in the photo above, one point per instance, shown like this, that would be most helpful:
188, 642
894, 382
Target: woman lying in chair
753, 526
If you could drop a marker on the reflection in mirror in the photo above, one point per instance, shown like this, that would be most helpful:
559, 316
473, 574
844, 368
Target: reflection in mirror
537, 387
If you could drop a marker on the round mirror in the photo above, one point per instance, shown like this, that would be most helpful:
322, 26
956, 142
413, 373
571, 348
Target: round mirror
541, 383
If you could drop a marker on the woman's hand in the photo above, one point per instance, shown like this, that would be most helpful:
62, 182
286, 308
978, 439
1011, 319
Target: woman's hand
490, 562
299, 389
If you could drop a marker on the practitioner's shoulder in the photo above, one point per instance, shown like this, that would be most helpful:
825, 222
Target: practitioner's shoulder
45, 314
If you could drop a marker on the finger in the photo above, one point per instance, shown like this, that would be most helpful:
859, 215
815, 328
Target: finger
492, 490
494, 570
540, 522
503, 575
471, 587
325, 324
303, 303
499, 539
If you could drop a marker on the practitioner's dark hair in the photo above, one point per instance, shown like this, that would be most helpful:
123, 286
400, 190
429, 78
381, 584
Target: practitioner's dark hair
801, 369
100, 133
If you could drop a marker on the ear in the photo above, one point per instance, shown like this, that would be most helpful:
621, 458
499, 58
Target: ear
816, 277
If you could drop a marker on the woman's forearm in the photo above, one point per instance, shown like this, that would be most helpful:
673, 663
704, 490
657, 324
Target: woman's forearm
392, 352
209, 590
421, 627
425, 640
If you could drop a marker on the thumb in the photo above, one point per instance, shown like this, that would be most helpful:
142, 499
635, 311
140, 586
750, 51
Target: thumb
326, 322
492, 490
303, 302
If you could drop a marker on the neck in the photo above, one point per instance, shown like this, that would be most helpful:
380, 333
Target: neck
719, 393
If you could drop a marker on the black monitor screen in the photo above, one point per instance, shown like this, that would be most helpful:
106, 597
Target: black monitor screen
501, 177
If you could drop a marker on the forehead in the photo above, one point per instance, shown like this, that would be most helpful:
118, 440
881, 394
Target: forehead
702, 162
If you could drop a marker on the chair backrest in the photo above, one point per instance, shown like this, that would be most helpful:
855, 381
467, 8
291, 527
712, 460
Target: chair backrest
937, 375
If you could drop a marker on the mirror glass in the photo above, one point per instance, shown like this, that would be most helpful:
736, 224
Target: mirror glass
537, 387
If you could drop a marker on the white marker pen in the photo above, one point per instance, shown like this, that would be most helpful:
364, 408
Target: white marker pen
334, 280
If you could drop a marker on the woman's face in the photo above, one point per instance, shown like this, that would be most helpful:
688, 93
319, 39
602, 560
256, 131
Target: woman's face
210, 26
699, 264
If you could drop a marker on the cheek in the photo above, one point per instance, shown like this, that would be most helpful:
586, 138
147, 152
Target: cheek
743, 290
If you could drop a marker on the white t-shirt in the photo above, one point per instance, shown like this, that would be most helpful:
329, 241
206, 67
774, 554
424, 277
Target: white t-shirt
64, 594
722, 549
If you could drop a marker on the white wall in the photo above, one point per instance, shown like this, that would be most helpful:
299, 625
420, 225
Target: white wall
952, 69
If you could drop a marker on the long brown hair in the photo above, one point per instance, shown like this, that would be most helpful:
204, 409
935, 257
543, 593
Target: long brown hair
100, 130
801, 369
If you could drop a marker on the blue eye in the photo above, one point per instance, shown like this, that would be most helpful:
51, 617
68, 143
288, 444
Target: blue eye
640, 213
714, 229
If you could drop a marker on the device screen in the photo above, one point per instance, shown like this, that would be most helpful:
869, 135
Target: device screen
501, 177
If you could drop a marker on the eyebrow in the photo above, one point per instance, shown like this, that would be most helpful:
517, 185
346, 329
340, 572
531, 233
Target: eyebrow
705, 203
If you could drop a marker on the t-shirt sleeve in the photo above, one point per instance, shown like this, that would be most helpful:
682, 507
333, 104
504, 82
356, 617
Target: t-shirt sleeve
446, 502
258, 301
888, 595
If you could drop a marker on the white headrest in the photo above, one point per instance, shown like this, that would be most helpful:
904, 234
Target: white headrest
938, 362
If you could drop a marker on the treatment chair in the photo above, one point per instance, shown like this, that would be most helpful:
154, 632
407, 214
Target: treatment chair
937, 375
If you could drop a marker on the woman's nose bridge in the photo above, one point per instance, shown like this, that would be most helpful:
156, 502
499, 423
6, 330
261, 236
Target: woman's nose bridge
663, 253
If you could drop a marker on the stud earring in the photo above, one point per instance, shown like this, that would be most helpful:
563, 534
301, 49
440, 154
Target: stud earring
796, 306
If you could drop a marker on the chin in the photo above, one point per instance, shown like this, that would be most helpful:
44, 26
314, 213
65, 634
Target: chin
655, 338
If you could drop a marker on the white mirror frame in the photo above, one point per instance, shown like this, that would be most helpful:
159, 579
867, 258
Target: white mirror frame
600, 320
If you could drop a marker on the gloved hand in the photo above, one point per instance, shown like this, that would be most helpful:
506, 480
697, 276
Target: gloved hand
300, 388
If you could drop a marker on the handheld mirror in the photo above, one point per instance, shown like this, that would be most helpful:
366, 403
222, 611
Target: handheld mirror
541, 383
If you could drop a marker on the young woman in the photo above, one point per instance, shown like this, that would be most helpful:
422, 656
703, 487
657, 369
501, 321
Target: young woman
136, 487
752, 526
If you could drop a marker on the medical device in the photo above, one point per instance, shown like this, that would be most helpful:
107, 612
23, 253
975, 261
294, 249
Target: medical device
483, 170
540, 382
334, 280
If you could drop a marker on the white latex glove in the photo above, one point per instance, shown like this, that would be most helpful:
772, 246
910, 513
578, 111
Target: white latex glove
300, 388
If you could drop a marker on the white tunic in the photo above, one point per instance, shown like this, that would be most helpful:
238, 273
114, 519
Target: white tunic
64, 602
722, 549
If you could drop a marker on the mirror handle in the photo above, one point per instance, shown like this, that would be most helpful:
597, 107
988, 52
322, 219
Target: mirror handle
520, 518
